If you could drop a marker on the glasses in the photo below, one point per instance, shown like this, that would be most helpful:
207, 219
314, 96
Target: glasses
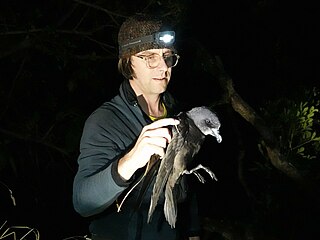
153, 60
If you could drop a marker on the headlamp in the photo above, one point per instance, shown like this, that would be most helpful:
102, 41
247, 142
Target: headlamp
165, 39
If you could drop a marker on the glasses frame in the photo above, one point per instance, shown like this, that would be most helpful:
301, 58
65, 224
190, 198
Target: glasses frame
146, 58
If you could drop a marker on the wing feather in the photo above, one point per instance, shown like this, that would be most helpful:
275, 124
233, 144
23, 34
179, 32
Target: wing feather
166, 166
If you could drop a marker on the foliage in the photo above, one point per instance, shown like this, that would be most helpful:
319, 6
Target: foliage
296, 124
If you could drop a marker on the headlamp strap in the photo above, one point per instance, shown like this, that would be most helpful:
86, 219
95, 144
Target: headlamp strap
165, 38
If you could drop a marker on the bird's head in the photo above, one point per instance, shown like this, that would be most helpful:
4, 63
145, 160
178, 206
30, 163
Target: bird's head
206, 120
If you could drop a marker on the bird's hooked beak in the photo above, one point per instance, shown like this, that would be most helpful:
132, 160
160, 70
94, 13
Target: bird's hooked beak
215, 133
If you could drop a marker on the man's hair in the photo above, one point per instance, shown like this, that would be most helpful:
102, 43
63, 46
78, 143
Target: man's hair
125, 68
137, 26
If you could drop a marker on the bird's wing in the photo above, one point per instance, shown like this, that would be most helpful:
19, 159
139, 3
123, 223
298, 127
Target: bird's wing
166, 165
172, 188
189, 147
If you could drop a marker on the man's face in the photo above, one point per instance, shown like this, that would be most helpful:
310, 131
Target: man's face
152, 75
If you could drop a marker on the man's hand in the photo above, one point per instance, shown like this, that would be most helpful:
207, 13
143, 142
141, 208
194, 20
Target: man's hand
153, 139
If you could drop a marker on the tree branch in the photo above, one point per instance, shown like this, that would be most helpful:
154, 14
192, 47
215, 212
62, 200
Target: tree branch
249, 114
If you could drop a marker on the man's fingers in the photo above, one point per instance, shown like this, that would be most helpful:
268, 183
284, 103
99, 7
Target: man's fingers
162, 123
157, 141
159, 132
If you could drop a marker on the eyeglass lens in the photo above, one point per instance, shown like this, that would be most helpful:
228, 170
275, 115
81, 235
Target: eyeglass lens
154, 60
171, 60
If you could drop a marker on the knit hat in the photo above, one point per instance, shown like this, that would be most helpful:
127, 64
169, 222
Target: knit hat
139, 32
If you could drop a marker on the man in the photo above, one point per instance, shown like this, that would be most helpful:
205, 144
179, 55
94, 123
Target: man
120, 137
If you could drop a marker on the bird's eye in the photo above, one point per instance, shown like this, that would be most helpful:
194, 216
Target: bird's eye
207, 121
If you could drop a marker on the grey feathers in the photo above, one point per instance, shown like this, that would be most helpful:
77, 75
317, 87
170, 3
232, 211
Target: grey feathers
186, 141
206, 120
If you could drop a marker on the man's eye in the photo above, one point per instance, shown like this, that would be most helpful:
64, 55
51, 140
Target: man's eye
152, 57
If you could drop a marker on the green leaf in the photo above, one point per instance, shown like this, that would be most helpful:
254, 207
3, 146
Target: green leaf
300, 150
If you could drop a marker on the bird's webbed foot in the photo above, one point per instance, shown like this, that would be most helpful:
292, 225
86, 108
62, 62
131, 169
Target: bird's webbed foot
201, 179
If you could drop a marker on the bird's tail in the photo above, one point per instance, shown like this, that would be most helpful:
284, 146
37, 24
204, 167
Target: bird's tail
170, 206
157, 190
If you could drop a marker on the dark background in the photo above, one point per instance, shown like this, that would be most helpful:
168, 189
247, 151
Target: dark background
58, 62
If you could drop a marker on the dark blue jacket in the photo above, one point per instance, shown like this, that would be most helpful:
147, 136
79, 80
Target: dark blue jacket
109, 132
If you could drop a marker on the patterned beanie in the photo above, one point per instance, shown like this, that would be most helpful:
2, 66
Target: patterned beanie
136, 27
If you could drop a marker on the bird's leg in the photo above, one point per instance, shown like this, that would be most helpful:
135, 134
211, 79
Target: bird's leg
194, 171
200, 178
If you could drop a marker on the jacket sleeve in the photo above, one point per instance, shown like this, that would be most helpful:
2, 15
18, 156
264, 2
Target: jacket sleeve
97, 183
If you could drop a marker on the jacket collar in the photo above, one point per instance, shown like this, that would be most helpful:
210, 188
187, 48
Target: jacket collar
131, 97
128, 93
